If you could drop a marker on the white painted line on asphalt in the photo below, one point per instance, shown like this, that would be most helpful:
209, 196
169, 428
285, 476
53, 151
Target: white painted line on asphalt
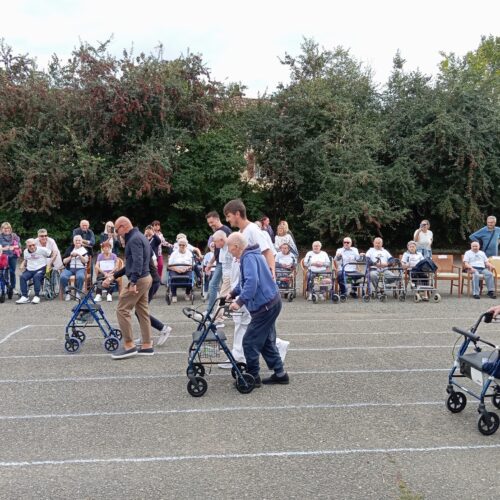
184, 353
14, 332
264, 454
212, 375
325, 406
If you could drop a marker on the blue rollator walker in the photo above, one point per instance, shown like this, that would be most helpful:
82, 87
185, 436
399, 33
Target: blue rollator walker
483, 368
358, 278
88, 314
205, 350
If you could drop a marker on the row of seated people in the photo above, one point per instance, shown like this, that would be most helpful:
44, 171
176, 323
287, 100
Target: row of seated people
477, 266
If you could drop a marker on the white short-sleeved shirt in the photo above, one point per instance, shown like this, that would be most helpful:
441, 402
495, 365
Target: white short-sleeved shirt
180, 259
37, 259
285, 260
412, 259
317, 262
424, 239
349, 256
52, 246
476, 259
255, 236
377, 256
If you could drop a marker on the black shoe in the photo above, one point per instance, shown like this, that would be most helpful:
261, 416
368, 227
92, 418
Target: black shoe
492, 295
2, 298
10, 293
476, 297
145, 351
274, 379
258, 382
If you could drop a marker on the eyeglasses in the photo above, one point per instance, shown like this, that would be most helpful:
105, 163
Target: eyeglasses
43, 235
31, 245
182, 245
347, 242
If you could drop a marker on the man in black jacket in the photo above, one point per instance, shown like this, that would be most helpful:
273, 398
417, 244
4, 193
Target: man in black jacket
135, 295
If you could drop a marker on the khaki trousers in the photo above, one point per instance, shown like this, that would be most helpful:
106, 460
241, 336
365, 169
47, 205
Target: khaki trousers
129, 300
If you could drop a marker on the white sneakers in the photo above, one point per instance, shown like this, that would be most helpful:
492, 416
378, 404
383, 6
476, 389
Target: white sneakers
187, 297
174, 299
109, 297
67, 297
26, 300
164, 334
98, 297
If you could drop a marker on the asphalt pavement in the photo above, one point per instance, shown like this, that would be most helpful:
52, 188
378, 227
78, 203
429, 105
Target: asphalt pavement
363, 417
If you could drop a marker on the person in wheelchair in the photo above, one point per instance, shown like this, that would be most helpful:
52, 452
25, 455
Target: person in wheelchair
106, 265
285, 259
33, 268
180, 267
317, 262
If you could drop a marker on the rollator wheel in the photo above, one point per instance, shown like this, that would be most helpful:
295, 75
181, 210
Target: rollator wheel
111, 344
382, 297
335, 298
343, 298
402, 297
366, 298
488, 423
314, 298
290, 297
456, 402
78, 334
198, 388
72, 345
496, 400
168, 297
192, 298
116, 333
417, 298
436, 297
197, 368
241, 366
245, 384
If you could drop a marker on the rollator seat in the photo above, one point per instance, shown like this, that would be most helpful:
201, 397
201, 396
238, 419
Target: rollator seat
210, 336
476, 360
88, 307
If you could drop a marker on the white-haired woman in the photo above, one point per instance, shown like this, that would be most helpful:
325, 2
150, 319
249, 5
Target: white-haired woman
75, 260
316, 261
180, 266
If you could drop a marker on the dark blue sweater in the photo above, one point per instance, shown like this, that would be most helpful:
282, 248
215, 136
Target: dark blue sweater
137, 255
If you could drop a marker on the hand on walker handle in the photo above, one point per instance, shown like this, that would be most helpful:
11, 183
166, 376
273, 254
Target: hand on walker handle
495, 310
234, 306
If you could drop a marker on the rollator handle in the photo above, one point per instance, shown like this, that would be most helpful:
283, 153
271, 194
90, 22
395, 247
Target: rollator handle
469, 335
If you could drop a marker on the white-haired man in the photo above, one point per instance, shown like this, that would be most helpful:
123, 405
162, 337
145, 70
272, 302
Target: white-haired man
258, 291
33, 267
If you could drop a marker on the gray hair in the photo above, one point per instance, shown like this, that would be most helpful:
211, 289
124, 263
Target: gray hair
238, 240
219, 235
30, 241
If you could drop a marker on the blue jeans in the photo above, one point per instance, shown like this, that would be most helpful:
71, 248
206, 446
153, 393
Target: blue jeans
260, 338
36, 276
12, 270
488, 278
66, 275
426, 252
213, 286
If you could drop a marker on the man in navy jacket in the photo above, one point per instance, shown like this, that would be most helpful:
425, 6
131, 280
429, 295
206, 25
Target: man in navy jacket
258, 291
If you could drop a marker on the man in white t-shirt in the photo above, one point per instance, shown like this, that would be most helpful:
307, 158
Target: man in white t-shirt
476, 263
379, 258
45, 241
236, 214
33, 267
346, 257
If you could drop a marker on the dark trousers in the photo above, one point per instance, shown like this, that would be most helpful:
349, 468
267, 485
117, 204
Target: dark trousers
260, 338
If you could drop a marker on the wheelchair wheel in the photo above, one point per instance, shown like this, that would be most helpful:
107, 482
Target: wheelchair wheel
197, 389
116, 333
245, 384
241, 366
53, 285
78, 334
456, 402
111, 344
488, 423
198, 370
72, 345
496, 400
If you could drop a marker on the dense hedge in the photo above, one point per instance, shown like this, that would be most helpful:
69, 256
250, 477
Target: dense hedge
99, 136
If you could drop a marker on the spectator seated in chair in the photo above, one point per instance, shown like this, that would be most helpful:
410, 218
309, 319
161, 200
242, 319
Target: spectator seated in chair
106, 265
476, 264
180, 264
75, 260
316, 261
33, 268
